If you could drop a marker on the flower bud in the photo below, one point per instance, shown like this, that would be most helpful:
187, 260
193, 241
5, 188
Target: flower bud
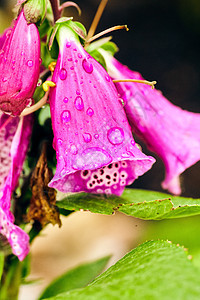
34, 11
19, 66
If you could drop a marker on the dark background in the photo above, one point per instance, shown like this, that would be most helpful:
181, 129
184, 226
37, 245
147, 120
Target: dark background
163, 45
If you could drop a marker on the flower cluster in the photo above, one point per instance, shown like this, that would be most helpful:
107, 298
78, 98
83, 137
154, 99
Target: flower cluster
93, 120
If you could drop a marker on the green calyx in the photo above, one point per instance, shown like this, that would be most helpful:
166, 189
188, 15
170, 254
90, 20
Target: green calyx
35, 11
64, 28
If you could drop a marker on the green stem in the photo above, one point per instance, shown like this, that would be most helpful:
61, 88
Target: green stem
11, 279
55, 4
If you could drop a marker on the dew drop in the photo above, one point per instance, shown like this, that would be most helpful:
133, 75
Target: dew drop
115, 135
87, 66
73, 150
22, 53
70, 59
79, 55
66, 116
72, 68
96, 136
133, 142
4, 79
59, 141
87, 137
65, 100
90, 112
79, 103
78, 92
29, 63
68, 45
107, 77
63, 74
92, 158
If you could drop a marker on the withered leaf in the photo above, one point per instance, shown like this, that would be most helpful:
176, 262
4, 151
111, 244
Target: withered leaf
42, 207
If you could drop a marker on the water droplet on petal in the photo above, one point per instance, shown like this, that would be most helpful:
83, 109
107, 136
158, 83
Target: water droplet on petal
22, 53
59, 141
90, 112
87, 137
78, 92
4, 79
73, 150
66, 116
29, 63
107, 77
79, 103
72, 68
70, 59
79, 55
133, 142
68, 45
65, 100
63, 74
87, 66
96, 136
92, 158
115, 135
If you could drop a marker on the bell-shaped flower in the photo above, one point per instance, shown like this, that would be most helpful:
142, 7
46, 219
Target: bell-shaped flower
94, 145
14, 140
172, 133
19, 66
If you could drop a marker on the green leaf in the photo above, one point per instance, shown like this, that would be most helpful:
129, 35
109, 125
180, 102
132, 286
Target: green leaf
75, 278
155, 270
1, 263
143, 204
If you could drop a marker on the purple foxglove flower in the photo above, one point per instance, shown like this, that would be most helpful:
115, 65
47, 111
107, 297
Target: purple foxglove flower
92, 138
19, 66
170, 132
14, 140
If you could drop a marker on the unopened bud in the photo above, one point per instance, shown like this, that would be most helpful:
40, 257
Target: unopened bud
35, 11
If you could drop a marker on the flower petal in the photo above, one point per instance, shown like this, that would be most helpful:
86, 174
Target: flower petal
14, 141
170, 132
90, 127
19, 66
